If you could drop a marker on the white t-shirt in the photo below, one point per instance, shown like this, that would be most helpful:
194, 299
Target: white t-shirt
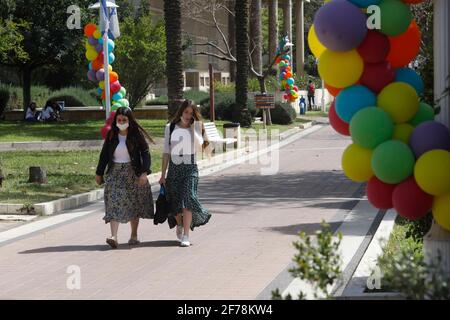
121, 154
46, 113
30, 114
184, 141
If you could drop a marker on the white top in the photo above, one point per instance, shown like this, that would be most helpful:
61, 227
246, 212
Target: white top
30, 113
46, 113
121, 154
184, 141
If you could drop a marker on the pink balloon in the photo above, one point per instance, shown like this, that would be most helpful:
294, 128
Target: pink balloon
104, 131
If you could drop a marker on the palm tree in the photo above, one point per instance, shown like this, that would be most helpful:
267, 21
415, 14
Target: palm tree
256, 37
174, 57
240, 111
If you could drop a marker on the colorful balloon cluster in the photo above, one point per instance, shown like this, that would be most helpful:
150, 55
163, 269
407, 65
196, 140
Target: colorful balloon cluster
398, 148
94, 53
283, 61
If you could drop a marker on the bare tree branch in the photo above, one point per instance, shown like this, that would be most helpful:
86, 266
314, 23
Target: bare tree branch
231, 59
212, 44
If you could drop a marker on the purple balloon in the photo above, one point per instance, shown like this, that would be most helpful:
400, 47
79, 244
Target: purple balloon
91, 75
92, 41
340, 25
100, 75
428, 136
99, 47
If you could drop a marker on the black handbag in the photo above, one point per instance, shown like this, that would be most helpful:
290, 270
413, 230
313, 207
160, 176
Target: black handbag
162, 206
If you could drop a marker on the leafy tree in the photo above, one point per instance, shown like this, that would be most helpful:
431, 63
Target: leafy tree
47, 40
140, 52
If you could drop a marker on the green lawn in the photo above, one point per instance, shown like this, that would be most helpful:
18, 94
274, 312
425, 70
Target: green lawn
85, 130
68, 173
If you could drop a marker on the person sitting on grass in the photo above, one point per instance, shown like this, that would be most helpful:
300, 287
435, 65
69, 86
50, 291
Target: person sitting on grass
32, 113
48, 114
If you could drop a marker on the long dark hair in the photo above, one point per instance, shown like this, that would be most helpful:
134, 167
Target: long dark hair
195, 114
134, 129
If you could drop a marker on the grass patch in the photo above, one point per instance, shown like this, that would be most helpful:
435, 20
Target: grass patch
87, 130
68, 173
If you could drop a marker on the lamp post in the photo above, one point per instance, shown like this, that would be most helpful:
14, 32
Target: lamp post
104, 8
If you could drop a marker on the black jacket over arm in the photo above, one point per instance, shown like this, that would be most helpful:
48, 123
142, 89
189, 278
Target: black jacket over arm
137, 148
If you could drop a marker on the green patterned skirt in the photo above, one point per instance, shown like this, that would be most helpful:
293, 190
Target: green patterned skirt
182, 183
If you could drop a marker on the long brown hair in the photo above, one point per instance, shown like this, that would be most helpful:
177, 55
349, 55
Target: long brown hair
134, 129
195, 114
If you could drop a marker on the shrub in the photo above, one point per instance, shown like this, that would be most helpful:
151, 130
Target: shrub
74, 97
196, 95
223, 106
161, 100
283, 113
219, 87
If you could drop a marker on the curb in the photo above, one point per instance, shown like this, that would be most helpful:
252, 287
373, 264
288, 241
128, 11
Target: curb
221, 160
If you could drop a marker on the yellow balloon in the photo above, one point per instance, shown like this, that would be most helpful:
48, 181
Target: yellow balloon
340, 69
91, 55
403, 132
432, 172
97, 34
110, 68
441, 211
400, 100
317, 48
356, 163
101, 84
89, 47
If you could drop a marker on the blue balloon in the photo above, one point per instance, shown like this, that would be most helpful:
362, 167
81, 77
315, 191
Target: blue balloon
99, 91
112, 57
90, 66
410, 77
352, 99
100, 40
111, 45
117, 96
364, 3
290, 81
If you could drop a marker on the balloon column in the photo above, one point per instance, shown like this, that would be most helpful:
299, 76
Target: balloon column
397, 148
96, 73
286, 76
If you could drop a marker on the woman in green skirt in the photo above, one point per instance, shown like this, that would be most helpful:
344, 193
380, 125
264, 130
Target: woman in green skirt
184, 137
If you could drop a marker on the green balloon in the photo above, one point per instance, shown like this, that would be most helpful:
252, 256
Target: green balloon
370, 127
123, 91
425, 113
396, 17
114, 107
393, 161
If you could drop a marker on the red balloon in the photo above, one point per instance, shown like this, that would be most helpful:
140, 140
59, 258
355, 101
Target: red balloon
379, 193
375, 47
405, 47
376, 76
115, 87
110, 120
337, 123
104, 131
410, 201
332, 90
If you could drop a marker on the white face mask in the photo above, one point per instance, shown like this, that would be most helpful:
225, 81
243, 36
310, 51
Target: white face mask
123, 127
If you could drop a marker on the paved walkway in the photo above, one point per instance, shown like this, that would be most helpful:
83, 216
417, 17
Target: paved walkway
246, 245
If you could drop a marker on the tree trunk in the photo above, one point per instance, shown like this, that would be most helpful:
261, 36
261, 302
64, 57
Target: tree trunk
240, 111
232, 40
37, 175
273, 29
287, 19
26, 88
174, 56
300, 36
256, 34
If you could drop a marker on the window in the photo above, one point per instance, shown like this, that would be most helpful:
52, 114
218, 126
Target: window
202, 81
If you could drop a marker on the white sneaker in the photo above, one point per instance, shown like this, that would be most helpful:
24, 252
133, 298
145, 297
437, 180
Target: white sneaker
179, 232
185, 241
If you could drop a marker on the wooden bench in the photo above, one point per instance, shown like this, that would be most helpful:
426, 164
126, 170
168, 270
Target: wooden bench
214, 137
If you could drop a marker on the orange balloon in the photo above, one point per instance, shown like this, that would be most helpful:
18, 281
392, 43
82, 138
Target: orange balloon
113, 76
89, 29
405, 47
332, 90
104, 95
97, 64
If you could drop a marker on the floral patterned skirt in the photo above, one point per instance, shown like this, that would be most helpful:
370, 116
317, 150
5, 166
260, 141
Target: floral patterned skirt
182, 183
125, 200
